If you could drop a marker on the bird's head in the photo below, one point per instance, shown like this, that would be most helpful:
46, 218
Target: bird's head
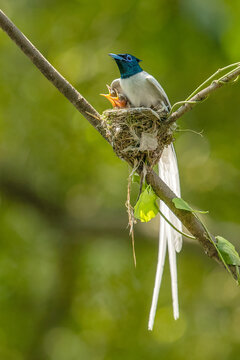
128, 64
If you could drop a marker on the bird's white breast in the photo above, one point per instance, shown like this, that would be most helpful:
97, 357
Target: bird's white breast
139, 91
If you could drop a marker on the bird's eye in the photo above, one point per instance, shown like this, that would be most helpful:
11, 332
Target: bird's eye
129, 58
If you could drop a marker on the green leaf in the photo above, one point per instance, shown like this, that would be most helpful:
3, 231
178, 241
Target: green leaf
136, 178
146, 207
183, 205
228, 251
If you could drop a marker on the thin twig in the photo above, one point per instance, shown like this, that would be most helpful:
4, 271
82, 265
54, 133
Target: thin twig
201, 86
203, 94
131, 219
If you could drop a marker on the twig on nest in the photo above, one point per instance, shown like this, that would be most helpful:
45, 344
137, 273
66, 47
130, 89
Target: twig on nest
131, 218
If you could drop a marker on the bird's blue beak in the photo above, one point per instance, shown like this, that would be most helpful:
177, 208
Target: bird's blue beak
115, 56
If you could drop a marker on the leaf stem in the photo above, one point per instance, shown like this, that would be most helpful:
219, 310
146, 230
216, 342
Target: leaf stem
213, 242
180, 232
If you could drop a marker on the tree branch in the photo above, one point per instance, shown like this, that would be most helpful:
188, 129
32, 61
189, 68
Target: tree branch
161, 189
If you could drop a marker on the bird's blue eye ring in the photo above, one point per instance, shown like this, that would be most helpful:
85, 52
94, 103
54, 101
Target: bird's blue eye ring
129, 58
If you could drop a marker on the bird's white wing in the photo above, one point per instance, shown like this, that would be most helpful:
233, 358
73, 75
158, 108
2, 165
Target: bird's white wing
157, 89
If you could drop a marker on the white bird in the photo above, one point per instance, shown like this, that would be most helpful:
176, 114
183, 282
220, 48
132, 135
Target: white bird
142, 89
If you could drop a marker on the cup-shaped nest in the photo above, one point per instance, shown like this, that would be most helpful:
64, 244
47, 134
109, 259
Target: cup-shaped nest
137, 135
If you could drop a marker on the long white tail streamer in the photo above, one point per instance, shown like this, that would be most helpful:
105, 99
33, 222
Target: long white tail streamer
168, 171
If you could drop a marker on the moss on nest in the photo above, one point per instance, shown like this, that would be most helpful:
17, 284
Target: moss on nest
137, 135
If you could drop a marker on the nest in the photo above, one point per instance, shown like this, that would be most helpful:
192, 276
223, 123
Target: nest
137, 135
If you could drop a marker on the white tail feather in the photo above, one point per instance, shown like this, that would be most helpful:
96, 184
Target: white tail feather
159, 272
168, 171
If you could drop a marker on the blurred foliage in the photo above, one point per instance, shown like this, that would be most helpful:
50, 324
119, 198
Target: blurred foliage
67, 295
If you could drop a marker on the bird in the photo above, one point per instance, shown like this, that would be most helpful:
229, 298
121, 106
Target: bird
141, 88
116, 98
137, 88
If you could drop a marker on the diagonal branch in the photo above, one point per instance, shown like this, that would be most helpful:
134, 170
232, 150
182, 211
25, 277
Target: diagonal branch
82, 105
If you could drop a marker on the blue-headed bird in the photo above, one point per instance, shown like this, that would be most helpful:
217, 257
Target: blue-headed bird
137, 88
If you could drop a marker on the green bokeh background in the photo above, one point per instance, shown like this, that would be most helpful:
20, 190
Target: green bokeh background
70, 291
